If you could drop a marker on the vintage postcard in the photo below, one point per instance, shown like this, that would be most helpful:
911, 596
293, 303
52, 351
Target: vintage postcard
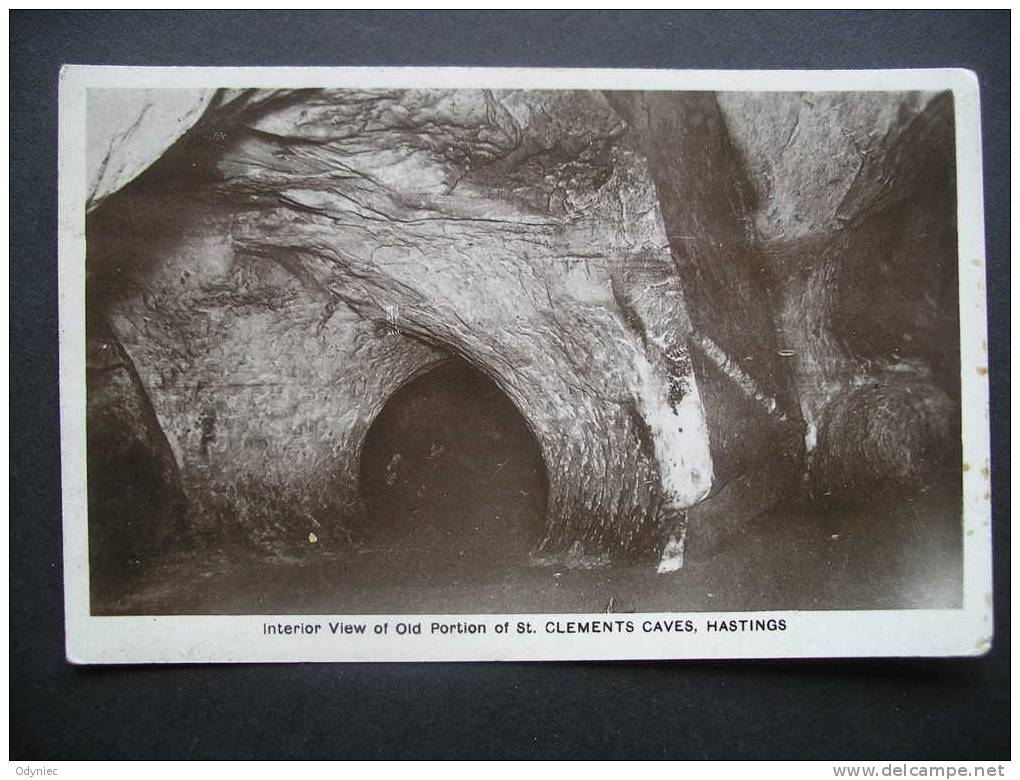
475, 364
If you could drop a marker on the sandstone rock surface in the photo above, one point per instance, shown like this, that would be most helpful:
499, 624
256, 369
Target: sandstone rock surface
276, 293
674, 290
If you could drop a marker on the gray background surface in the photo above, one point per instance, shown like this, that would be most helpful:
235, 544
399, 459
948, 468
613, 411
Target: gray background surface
805, 709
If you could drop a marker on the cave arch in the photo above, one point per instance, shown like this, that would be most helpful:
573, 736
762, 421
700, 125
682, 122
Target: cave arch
450, 467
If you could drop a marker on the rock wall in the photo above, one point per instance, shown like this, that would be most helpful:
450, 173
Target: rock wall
706, 201
131, 465
857, 217
130, 129
278, 277
674, 289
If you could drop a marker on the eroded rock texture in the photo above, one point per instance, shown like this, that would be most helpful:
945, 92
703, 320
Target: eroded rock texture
136, 502
707, 208
676, 290
858, 213
279, 278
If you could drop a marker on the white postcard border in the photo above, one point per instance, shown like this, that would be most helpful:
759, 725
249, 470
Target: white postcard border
808, 634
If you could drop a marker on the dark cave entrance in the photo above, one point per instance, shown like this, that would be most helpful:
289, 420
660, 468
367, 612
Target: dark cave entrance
450, 469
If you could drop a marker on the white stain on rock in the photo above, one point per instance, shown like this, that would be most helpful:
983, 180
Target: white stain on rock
680, 436
672, 558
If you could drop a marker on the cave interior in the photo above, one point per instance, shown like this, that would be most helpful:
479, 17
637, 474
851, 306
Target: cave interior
493, 351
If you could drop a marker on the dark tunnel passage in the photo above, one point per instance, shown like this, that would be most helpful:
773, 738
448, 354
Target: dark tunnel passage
451, 472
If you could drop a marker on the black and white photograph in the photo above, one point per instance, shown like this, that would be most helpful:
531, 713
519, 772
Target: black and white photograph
463, 360
510, 385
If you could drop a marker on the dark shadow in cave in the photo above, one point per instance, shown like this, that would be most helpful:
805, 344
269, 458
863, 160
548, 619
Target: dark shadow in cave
451, 473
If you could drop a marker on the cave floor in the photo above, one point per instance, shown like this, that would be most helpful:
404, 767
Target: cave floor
455, 491
784, 562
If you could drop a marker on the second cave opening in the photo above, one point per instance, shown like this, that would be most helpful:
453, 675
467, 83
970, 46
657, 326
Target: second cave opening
451, 473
